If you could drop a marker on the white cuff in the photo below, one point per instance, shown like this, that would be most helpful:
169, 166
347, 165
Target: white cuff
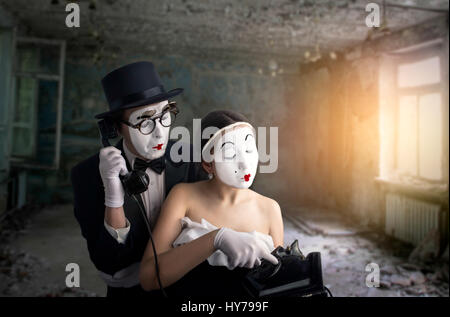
119, 234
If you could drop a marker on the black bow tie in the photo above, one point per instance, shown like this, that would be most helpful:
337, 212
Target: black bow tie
158, 165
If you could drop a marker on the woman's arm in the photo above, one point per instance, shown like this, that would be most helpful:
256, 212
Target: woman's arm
167, 229
276, 224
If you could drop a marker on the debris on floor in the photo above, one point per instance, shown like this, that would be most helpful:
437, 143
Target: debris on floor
345, 257
33, 271
18, 270
428, 249
14, 222
321, 221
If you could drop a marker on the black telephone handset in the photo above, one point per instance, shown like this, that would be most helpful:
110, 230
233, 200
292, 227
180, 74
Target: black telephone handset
294, 276
134, 182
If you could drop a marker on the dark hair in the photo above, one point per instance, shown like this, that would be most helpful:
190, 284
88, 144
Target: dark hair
220, 119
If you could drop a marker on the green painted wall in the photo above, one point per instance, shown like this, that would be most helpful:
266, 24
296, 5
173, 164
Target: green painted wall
5, 81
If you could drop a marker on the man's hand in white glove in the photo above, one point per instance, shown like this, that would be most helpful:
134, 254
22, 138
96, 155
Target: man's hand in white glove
242, 248
112, 164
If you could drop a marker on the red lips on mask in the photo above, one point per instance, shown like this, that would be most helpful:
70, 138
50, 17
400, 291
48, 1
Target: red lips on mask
247, 177
158, 147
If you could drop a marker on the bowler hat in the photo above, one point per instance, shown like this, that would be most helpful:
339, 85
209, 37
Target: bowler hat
134, 85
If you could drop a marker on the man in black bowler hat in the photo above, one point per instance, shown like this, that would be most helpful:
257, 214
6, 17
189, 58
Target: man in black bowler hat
110, 220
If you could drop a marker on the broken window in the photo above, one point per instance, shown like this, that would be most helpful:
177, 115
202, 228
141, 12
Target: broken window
419, 118
412, 113
38, 87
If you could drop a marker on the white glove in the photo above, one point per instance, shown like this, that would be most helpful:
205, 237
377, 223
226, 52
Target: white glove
242, 248
112, 164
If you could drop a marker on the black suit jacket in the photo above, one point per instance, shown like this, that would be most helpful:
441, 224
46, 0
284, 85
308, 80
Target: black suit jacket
106, 253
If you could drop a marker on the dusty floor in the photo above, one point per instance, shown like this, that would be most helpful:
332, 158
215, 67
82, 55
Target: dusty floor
33, 259
34, 262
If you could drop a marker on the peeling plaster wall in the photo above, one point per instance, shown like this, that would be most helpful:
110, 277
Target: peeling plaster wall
336, 133
307, 137
336, 128
363, 98
5, 18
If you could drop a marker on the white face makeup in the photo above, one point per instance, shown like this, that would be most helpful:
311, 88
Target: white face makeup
153, 145
236, 157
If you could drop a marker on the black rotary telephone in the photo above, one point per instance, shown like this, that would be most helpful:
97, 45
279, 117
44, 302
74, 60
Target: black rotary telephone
134, 182
294, 276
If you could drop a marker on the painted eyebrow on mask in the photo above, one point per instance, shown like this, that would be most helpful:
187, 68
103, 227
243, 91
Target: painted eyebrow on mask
151, 113
147, 114
248, 136
226, 143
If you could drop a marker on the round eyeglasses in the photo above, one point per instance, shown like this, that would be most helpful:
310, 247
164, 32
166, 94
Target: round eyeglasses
148, 123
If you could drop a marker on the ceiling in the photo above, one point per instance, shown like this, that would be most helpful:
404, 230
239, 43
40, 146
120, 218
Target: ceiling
212, 28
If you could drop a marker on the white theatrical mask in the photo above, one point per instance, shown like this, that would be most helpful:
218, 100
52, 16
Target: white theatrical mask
236, 157
153, 145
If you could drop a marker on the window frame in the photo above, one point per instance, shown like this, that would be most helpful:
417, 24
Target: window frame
25, 162
408, 57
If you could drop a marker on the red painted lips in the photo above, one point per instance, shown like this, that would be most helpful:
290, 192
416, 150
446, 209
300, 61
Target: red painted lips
158, 147
247, 177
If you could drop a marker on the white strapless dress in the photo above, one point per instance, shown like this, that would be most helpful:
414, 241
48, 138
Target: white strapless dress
192, 230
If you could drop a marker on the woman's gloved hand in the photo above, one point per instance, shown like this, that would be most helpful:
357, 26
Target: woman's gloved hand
112, 164
242, 248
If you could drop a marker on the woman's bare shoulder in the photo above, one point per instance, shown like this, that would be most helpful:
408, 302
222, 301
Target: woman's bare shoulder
187, 189
181, 197
266, 204
271, 211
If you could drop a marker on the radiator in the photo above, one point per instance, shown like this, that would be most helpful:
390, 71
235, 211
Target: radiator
409, 219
